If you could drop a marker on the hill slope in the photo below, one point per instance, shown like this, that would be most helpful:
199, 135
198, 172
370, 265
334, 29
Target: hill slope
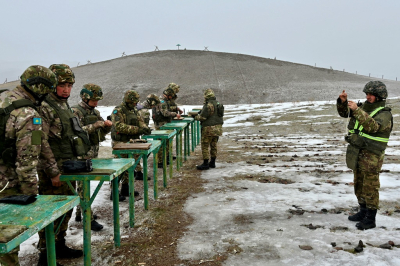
236, 78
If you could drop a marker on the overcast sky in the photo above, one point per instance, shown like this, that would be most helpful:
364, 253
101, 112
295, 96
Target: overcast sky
360, 35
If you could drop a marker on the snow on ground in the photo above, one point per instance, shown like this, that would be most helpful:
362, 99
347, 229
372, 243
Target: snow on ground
255, 219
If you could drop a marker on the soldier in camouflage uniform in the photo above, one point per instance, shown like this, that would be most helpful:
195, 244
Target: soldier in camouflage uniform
68, 141
162, 114
22, 139
97, 129
369, 130
127, 124
173, 106
211, 118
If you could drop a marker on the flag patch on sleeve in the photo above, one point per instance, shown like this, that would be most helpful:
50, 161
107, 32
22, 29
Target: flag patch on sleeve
37, 121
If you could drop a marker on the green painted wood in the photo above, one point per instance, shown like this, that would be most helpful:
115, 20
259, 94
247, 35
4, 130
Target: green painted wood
34, 216
179, 127
198, 127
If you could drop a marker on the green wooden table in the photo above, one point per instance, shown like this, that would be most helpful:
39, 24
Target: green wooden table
32, 218
155, 146
164, 136
190, 121
198, 128
179, 127
103, 170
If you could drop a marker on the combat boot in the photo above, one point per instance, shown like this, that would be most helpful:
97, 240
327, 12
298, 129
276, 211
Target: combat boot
212, 163
203, 166
359, 216
125, 191
43, 259
369, 220
95, 226
139, 176
121, 198
78, 215
64, 252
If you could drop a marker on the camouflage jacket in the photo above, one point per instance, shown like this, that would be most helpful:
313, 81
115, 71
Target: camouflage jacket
162, 113
208, 112
122, 126
91, 129
21, 127
52, 125
380, 125
144, 112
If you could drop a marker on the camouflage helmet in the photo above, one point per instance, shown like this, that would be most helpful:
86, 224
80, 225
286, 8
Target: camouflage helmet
91, 91
174, 86
169, 92
39, 79
376, 88
131, 96
209, 93
152, 99
63, 72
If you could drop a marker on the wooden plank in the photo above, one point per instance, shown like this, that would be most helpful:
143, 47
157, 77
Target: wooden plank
132, 146
180, 118
94, 172
9, 231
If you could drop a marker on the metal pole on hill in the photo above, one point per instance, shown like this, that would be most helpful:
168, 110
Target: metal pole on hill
178, 45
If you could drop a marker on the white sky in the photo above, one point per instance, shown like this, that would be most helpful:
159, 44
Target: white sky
355, 35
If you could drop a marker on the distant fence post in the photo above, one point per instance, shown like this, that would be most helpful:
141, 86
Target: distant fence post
6, 80
382, 76
369, 75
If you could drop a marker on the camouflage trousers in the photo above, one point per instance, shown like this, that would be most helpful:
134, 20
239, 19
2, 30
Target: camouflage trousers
46, 188
80, 193
11, 258
125, 175
207, 143
160, 151
366, 178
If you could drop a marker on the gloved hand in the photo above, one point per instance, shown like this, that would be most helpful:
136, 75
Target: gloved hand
147, 131
99, 124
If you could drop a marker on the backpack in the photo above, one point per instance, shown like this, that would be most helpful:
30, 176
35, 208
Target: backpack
220, 109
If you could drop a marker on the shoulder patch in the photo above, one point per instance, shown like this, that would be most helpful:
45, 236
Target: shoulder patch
37, 121
115, 111
162, 101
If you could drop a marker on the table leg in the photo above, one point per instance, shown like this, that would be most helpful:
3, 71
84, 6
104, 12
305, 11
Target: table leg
131, 181
145, 183
87, 233
164, 159
192, 135
170, 157
117, 236
181, 148
50, 244
198, 132
155, 168
178, 154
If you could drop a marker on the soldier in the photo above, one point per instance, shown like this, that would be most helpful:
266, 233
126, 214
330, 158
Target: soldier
68, 141
97, 129
211, 118
22, 138
369, 130
127, 124
162, 114
173, 106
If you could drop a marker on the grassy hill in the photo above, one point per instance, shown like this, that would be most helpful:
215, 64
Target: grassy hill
236, 78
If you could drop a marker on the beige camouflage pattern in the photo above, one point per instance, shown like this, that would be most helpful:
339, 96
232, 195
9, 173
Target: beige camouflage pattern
174, 87
164, 109
39, 79
63, 72
151, 100
376, 88
131, 96
208, 93
118, 119
91, 91
20, 126
169, 92
145, 115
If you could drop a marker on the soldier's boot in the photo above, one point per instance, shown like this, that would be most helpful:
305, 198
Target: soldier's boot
64, 252
212, 163
95, 226
360, 214
139, 176
125, 191
204, 166
369, 220
78, 215
43, 259
121, 198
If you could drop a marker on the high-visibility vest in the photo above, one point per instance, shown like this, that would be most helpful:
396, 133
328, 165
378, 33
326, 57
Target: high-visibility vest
358, 130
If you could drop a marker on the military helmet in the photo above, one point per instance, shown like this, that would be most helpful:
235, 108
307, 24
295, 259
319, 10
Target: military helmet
169, 92
63, 72
376, 88
131, 96
209, 93
152, 99
39, 79
173, 86
91, 91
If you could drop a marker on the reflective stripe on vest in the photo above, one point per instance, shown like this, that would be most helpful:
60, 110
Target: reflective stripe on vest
357, 130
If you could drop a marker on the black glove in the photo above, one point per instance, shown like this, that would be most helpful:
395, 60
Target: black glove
72, 166
146, 131
19, 199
